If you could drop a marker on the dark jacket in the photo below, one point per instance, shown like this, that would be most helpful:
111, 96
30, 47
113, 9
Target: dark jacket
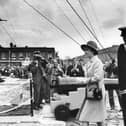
75, 72
122, 67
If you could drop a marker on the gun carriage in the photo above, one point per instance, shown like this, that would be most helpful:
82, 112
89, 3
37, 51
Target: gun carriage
71, 94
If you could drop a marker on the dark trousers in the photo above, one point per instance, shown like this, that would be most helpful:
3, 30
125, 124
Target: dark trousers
41, 91
38, 95
46, 89
111, 98
123, 104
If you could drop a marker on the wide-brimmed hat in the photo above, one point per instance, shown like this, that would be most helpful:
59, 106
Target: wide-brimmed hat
90, 45
123, 31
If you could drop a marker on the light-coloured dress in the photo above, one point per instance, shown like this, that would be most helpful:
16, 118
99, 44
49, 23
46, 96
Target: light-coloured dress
95, 111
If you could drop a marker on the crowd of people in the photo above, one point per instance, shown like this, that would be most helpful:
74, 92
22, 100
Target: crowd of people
44, 73
17, 71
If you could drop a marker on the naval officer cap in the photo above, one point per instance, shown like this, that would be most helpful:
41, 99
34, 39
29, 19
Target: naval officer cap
123, 30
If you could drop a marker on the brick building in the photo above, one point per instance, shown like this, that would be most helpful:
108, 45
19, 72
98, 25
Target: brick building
16, 55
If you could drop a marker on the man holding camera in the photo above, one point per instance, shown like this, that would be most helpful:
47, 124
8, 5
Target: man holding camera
37, 68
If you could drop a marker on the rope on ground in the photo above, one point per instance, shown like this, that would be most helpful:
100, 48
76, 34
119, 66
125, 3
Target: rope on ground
16, 107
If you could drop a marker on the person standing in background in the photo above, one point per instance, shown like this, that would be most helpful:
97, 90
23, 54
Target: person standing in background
53, 72
111, 70
37, 68
122, 71
75, 70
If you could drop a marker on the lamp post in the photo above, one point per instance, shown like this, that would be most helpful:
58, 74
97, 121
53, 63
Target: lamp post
1, 21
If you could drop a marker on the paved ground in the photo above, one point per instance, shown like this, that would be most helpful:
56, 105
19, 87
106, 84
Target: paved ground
114, 117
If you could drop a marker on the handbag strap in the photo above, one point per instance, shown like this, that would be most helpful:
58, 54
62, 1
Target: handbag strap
91, 83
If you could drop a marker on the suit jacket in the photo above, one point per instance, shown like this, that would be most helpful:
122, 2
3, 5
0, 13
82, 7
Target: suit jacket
122, 67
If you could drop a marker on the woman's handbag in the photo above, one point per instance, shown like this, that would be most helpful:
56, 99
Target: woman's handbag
93, 92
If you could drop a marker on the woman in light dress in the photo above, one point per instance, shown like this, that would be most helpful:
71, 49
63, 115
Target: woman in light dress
94, 111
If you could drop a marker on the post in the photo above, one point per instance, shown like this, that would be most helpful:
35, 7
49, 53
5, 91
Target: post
31, 97
9, 57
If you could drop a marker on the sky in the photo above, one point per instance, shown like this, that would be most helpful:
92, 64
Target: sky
26, 27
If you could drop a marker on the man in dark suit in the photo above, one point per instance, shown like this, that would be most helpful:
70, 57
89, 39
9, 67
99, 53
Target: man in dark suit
122, 71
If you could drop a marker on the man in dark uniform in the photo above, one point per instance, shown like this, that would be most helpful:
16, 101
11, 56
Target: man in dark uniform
122, 71
37, 68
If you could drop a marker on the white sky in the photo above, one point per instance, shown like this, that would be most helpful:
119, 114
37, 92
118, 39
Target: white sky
27, 27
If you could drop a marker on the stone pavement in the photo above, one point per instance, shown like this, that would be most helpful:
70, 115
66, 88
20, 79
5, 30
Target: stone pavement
29, 121
114, 118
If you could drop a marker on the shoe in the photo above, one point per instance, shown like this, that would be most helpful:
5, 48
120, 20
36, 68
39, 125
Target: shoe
42, 103
40, 107
36, 108
47, 101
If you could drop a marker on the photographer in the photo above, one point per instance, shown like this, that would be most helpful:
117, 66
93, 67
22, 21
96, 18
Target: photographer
37, 68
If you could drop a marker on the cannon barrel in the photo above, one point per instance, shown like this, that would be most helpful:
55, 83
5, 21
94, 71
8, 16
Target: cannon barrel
66, 84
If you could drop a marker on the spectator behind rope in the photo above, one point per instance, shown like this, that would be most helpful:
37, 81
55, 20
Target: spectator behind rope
75, 70
53, 72
111, 70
